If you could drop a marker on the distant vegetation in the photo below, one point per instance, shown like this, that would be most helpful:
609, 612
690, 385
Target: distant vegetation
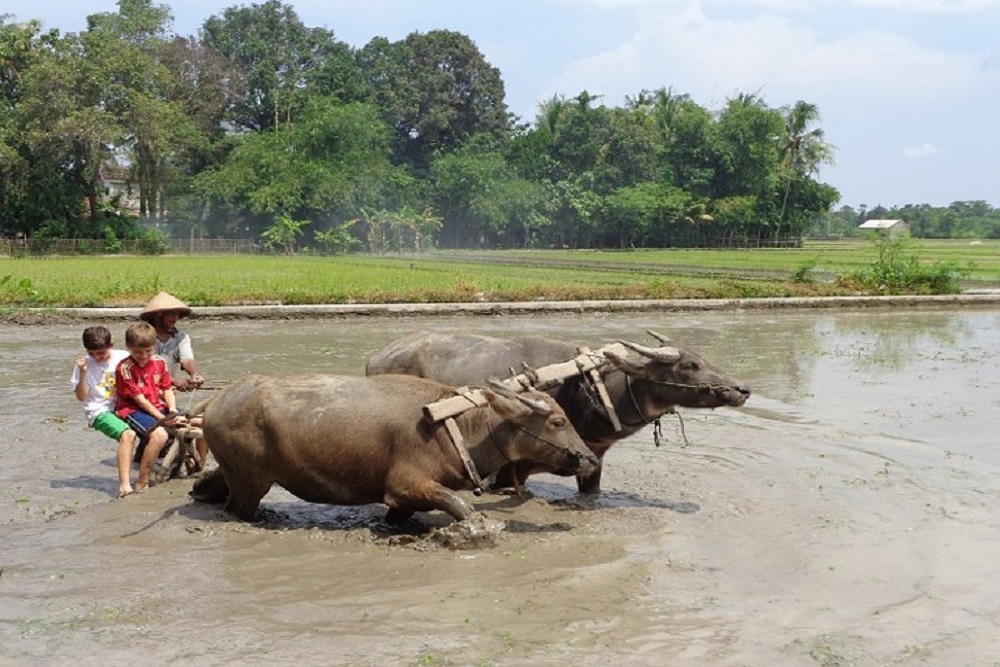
224, 135
127, 131
959, 220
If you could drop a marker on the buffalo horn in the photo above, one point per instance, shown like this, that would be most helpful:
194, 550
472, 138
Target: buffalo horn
658, 336
664, 354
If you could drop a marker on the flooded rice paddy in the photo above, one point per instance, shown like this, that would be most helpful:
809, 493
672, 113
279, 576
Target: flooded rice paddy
849, 514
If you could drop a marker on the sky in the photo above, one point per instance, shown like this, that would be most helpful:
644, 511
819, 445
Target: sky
908, 91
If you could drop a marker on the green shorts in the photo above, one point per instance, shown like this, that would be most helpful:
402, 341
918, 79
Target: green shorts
110, 425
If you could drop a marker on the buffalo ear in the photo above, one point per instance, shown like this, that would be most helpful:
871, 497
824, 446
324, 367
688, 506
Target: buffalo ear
626, 366
528, 396
507, 405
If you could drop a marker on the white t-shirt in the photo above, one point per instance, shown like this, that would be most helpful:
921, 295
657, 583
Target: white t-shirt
100, 384
175, 349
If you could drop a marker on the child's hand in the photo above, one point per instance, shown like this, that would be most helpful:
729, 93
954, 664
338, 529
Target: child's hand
81, 363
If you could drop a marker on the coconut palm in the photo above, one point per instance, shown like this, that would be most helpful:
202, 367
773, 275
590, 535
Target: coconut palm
804, 148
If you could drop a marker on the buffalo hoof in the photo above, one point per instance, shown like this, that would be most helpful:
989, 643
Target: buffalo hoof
396, 516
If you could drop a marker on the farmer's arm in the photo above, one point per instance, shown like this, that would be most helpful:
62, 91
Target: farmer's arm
188, 363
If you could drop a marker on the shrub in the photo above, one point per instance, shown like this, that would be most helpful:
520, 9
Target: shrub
895, 272
801, 274
152, 242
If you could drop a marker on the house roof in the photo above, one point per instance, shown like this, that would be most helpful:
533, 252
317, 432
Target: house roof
881, 224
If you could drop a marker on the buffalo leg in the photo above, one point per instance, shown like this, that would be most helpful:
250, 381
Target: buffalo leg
433, 496
245, 495
211, 488
591, 482
512, 475
450, 502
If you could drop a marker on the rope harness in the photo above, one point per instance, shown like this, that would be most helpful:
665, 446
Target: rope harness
458, 442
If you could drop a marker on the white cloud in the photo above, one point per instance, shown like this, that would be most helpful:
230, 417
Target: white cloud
712, 59
932, 5
920, 151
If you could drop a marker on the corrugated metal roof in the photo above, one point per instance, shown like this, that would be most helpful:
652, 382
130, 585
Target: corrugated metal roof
880, 224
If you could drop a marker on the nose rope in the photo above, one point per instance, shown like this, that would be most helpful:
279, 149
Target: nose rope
657, 424
569, 452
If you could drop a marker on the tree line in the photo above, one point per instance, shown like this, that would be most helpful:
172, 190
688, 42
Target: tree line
961, 219
262, 127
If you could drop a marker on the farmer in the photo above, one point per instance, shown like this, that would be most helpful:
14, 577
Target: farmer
172, 344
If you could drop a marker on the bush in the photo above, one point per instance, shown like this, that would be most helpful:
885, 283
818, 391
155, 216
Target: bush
112, 244
802, 273
895, 272
152, 242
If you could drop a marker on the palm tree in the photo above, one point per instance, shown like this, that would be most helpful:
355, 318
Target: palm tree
549, 114
804, 149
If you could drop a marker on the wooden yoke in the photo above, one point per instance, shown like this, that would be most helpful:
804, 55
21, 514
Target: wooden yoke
586, 362
545, 376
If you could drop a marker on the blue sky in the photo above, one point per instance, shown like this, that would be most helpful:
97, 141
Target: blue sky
908, 90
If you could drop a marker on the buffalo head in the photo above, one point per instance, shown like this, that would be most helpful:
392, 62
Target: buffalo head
675, 375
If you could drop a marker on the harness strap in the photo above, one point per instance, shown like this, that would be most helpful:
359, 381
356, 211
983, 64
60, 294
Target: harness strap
458, 442
602, 391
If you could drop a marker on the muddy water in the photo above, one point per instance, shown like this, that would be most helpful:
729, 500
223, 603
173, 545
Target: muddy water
849, 514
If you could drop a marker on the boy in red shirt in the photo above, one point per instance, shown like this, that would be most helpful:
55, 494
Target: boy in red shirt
145, 394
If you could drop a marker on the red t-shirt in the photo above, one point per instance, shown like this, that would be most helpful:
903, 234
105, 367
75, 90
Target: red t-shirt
133, 380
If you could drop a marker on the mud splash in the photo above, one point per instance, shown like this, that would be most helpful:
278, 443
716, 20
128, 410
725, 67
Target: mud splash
848, 515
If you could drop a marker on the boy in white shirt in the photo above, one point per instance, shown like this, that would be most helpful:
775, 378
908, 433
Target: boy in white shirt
94, 384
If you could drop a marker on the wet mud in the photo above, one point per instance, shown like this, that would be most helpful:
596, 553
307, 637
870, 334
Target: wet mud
849, 514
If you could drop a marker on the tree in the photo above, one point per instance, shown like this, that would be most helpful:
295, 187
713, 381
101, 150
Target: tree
329, 164
803, 152
273, 56
69, 119
466, 184
685, 140
21, 208
437, 91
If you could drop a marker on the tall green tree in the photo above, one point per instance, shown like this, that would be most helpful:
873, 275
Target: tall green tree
437, 90
329, 164
804, 150
129, 46
684, 132
273, 56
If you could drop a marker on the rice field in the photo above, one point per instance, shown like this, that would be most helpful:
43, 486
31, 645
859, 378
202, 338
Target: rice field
443, 276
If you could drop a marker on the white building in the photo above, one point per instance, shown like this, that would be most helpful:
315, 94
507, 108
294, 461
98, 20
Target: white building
893, 228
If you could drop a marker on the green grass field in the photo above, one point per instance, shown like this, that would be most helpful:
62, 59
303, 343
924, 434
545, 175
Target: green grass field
444, 276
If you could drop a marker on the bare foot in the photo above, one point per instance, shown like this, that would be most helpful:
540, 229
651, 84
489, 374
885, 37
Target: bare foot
141, 486
124, 491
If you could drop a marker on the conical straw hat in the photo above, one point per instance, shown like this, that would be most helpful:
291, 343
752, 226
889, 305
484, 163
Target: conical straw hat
162, 302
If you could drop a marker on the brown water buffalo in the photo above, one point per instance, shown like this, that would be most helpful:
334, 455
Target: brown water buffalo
640, 391
353, 441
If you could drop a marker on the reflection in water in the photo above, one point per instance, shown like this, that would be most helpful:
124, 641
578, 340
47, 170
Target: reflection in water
895, 339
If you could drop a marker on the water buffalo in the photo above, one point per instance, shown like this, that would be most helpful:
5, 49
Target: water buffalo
353, 441
639, 391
